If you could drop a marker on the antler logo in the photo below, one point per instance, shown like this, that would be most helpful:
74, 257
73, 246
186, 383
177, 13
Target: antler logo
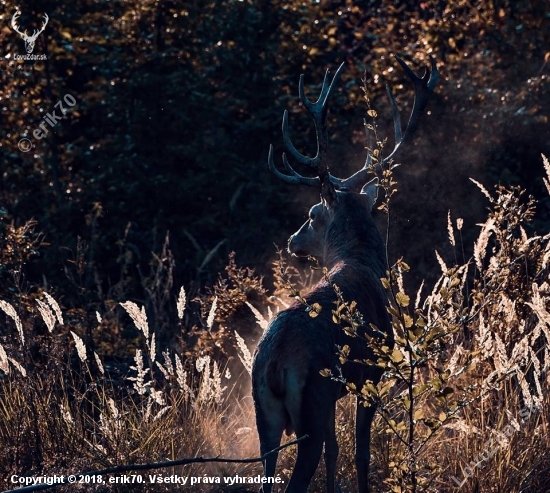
29, 40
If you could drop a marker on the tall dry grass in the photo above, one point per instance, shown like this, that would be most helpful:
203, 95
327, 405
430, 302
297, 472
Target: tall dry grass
480, 340
63, 410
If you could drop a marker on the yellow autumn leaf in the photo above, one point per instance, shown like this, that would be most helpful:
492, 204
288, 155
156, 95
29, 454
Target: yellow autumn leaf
396, 356
402, 299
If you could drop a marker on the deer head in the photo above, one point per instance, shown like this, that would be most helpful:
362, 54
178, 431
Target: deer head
311, 238
29, 40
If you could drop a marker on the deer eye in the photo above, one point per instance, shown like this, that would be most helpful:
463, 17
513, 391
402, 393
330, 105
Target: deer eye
312, 216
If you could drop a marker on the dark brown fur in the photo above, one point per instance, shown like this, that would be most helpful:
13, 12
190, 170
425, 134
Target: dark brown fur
289, 392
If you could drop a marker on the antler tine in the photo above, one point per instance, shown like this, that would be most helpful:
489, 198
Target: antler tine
318, 111
44, 24
289, 146
396, 115
294, 177
14, 23
305, 180
356, 181
423, 86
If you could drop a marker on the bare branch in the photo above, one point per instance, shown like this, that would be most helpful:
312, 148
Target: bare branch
155, 465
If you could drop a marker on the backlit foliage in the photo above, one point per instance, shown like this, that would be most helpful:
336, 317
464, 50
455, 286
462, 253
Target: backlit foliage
479, 340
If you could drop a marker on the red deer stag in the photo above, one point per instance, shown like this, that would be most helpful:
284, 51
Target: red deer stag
289, 392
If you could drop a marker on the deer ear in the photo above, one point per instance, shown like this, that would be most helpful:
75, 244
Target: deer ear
371, 191
328, 193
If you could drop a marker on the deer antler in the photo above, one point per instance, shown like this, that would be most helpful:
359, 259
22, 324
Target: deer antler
318, 112
14, 24
44, 24
24, 34
423, 87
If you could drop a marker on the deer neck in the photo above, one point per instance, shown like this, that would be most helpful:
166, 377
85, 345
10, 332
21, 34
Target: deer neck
355, 246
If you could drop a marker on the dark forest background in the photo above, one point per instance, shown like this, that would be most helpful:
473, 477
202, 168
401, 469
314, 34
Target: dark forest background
178, 101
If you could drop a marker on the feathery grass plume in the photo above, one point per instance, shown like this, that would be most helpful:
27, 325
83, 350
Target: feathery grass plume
66, 415
419, 295
480, 246
9, 310
202, 362
148, 408
451, 366
167, 369
520, 352
463, 427
217, 389
4, 362
162, 369
152, 348
157, 396
181, 377
450, 229
161, 413
55, 307
168, 362
181, 303
16, 364
485, 337
262, 322
399, 279
210, 388
529, 399
538, 306
98, 317
244, 353
80, 348
459, 223
483, 190
508, 308
463, 269
500, 358
432, 298
111, 425
47, 314
524, 238
537, 374
547, 169
139, 380
441, 262
212, 314
227, 374
139, 317
99, 363
512, 419
203, 366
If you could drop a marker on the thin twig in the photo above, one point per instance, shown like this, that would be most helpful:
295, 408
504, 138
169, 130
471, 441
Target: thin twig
154, 465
